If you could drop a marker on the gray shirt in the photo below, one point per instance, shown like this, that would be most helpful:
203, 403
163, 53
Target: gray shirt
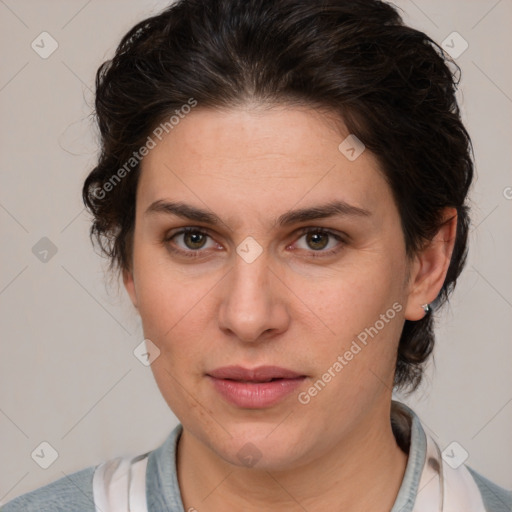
74, 493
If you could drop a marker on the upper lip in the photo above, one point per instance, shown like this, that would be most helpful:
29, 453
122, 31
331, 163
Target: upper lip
259, 374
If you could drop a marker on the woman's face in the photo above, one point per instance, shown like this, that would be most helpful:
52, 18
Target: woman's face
253, 290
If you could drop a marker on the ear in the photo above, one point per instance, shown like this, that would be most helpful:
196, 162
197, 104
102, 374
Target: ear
129, 284
429, 267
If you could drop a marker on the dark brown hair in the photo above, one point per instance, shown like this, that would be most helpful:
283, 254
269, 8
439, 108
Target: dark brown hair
393, 87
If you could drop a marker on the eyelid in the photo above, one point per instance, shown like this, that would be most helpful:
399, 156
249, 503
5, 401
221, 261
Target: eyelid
167, 241
342, 238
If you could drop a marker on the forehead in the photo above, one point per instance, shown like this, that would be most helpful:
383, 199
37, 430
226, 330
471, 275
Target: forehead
259, 158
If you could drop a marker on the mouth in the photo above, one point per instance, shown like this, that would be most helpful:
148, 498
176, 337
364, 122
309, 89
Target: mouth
260, 374
257, 381
255, 388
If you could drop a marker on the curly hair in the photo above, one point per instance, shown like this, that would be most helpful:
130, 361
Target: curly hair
392, 85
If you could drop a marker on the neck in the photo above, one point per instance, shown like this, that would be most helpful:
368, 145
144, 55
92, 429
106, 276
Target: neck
363, 472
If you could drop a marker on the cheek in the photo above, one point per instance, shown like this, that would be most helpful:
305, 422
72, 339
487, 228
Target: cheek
166, 298
175, 313
363, 309
355, 297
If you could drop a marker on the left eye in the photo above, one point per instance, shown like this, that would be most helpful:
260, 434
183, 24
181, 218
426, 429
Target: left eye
318, 239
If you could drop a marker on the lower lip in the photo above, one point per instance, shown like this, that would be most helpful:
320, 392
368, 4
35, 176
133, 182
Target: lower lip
255, 395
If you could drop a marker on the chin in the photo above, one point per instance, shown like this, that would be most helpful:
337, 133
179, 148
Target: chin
263, 448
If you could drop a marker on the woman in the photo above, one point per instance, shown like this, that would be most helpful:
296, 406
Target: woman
282, 186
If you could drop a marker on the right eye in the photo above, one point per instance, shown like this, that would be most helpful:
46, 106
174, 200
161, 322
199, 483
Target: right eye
194, 240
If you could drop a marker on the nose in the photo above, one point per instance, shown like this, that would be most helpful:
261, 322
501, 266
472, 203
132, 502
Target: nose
253, 305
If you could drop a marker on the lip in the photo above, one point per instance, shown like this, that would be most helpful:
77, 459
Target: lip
253, 388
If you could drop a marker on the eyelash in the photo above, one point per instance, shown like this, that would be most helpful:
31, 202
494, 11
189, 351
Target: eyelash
196, 254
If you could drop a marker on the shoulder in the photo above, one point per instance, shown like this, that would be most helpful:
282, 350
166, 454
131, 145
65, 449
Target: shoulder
87, 489
495, 498
71, 493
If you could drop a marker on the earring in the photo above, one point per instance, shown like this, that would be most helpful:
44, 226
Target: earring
426, 308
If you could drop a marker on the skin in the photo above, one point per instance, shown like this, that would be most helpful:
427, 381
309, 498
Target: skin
286, 308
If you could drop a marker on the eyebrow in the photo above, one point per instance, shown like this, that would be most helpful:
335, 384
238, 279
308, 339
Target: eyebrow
189, 212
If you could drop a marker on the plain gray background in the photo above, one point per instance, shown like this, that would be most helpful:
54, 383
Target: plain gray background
68, 375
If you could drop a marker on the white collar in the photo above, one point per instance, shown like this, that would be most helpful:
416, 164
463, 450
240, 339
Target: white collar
430, 484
